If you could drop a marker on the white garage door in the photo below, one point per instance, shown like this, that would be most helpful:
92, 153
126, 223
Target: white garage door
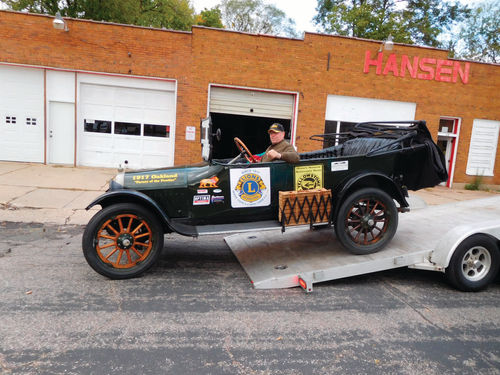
248, 102
118, 123
352, 109
21, 114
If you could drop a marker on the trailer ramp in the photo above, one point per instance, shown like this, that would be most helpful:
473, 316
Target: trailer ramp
301, 257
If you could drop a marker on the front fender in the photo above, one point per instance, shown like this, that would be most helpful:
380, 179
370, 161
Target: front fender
370, 179
133, 196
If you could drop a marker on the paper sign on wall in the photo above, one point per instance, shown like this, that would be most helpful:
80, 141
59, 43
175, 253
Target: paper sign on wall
190, 133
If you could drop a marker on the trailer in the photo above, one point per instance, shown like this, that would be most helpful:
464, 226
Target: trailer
459, 239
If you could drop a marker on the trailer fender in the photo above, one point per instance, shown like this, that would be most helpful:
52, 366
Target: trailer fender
452, 239
132, 196
370, 179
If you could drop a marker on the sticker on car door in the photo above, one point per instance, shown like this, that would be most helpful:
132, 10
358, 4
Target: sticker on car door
250, 187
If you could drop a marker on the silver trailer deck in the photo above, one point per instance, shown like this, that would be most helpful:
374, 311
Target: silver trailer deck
425, 239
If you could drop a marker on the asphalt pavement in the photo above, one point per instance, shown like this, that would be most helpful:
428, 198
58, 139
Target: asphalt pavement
196, 312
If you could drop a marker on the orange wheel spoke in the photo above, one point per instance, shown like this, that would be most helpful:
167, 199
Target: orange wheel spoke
120, 224
119, 257
113, 229
111, 253
106, 246
142, 235
129, 258
130, 223
142, 244
138, 227
136, 251
108, 237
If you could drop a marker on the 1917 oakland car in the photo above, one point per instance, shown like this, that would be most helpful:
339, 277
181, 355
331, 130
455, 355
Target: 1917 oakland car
367, 171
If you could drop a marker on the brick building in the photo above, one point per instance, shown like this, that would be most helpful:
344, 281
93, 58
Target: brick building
99, 93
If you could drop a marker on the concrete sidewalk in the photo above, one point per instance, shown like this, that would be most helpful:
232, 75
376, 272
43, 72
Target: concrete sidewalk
50, 193
59, 194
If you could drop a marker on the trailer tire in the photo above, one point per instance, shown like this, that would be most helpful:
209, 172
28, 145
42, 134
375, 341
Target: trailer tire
474, 263
366, 221
122, 241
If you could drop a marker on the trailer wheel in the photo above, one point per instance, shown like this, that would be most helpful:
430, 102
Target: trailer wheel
474, 263
366, 221
122, 241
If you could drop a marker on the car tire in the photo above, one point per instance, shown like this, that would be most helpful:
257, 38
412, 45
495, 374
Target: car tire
474, 263
366, 221
122, 241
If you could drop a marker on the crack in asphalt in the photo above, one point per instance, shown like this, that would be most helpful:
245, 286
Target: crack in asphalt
397, 293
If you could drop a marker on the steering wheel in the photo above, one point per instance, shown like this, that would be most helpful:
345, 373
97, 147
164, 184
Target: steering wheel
244, 150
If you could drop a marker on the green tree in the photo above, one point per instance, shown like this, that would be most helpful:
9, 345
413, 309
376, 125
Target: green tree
427, 20
171, 14
412, 21
372, 19
253, 16
210, 18
480, 33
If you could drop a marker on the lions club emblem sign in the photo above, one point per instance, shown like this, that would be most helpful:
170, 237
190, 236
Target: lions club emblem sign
250, 187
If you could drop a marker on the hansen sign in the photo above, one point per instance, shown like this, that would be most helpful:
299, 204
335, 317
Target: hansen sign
418, 67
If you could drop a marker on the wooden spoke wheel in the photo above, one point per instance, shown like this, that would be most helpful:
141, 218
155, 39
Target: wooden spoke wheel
122, 241
244, 149
366, 221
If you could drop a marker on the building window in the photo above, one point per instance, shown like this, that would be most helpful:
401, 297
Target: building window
30, 121
127, 128
10, 119
157, 130
446, 125
336, 127
97, 126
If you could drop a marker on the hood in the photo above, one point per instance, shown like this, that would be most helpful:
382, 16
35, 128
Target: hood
166, 178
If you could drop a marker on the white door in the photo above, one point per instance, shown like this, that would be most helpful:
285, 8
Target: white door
61, 137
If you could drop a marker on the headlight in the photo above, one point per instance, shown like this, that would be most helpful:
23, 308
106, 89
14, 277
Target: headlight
117, 182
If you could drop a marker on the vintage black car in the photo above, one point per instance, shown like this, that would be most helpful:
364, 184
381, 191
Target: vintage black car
368, 170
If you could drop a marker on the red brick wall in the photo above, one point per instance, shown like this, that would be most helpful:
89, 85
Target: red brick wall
208, 56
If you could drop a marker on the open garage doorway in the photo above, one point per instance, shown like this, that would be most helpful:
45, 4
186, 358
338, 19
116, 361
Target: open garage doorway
251, 130
247, 114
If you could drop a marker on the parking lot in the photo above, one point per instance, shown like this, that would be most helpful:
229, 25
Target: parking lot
196, 312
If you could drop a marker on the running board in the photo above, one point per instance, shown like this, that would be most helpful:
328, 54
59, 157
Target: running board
256, 226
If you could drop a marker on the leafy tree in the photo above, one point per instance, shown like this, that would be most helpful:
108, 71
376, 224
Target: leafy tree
480, 33
210, 18
172, 14
372, 19
428, 19
421, 21
253, 16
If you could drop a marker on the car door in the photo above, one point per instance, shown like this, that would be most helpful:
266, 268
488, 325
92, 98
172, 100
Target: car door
241, 193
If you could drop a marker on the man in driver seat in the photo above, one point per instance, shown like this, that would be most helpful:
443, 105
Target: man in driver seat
279, 149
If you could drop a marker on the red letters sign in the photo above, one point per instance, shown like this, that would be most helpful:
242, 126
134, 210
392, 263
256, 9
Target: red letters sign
419, 68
